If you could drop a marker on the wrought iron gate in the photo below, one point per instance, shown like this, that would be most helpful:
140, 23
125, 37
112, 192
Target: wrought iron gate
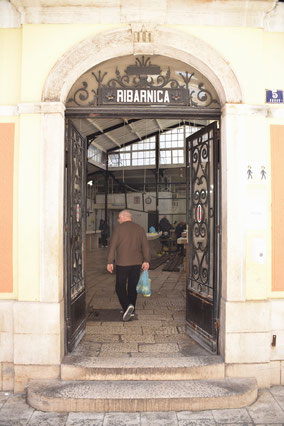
75, 223
203, 218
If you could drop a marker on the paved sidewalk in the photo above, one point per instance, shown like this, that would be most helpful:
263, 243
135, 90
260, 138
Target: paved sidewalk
158, 331
267, 410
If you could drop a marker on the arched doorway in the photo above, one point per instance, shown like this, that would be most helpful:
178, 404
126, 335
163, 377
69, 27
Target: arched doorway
148, 92
71, 67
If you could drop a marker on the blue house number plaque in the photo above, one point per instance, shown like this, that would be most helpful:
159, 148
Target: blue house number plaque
274, 96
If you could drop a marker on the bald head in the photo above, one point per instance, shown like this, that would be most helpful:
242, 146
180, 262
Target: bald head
124, 216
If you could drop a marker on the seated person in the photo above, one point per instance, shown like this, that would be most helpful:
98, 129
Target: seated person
105, 231
164, 225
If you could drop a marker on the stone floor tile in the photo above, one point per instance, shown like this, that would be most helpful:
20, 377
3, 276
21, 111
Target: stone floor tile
16, 399
119, 347
278, 394
161, 311
122, 419
145, 311
101, 338
261, 424
134, 323
106, 330
17, 414
192, 349
199, 423
3, 398
114, 355
167, 418
195, 415
113, 325
149, 315
87, 347
170, 322
131, 330
173, 338
159, 348
40, 418
85, 419
266, 409
165, 331
165, 355
150, 323
139, 338
16, 410
5, 395
156, 317
236, 415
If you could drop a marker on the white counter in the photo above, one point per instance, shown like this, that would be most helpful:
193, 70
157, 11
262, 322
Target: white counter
92, 239
152, 236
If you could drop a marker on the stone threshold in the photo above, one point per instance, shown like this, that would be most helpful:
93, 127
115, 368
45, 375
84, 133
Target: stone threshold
132, 396
76, 367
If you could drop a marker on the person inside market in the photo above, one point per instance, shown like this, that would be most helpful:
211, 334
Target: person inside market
130, 250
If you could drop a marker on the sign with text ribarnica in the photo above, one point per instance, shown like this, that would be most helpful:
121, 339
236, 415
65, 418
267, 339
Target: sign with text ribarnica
147, 96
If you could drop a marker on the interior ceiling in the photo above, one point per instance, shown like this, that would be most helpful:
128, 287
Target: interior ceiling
114, 133
109, 134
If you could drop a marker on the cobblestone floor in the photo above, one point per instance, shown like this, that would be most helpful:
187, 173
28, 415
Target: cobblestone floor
158, 327
267, 410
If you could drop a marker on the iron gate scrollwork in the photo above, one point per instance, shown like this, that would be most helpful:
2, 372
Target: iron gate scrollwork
75, 222
203, 219
140, 84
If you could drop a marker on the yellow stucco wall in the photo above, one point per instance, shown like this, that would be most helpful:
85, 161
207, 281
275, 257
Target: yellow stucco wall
45, 44
274, 60
27, 55
10, 66
243, 49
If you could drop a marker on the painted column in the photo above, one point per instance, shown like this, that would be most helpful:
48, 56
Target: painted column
245, 308
39, 312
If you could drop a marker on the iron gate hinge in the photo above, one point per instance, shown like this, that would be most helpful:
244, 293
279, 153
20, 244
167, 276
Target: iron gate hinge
217, 324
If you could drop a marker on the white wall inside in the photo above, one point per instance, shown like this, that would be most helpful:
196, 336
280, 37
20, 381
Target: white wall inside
139, 203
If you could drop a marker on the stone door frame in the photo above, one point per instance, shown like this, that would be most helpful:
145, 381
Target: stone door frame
86, 54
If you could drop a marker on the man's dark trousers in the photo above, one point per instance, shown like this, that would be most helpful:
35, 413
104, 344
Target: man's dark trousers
131, 275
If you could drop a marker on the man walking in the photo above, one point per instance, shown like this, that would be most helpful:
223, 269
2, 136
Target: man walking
130, 249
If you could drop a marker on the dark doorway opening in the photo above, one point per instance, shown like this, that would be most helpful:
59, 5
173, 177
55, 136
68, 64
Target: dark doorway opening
137, 187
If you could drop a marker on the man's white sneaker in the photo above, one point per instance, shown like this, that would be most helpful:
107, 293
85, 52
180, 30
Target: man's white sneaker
128, 312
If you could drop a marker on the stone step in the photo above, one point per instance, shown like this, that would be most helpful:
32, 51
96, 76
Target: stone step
132, 396
75, 367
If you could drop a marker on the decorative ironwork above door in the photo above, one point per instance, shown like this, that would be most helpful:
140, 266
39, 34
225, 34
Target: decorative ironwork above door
149, 81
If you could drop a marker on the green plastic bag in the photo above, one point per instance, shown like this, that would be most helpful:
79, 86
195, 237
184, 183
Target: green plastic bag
144, 284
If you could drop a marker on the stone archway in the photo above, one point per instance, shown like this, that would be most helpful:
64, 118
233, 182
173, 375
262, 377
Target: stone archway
69, 68
122, 42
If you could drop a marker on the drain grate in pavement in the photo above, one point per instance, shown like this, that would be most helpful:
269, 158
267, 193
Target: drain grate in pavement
101, 315
173, 263
157, 261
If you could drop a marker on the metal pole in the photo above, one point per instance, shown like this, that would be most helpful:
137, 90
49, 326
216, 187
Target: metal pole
106, 189
157, 178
